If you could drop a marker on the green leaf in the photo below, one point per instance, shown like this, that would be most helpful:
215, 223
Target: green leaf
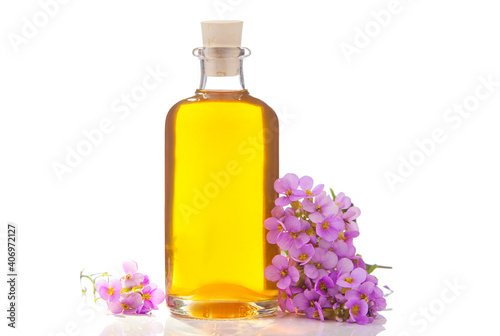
333, 194
371, 268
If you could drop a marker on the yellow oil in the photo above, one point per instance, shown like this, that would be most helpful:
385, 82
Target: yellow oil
221, 161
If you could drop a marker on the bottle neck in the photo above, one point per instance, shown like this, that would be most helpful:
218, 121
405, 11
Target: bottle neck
221, 83
221, 69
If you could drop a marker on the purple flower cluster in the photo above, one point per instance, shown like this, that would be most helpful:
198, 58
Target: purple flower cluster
322, 276
132, 294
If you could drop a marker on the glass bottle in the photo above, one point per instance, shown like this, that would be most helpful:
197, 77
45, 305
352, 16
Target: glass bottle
221, 160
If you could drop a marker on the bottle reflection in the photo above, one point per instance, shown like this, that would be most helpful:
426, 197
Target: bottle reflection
134, 325
282, 324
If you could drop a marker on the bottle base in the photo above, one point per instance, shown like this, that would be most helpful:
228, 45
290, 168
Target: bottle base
220, 310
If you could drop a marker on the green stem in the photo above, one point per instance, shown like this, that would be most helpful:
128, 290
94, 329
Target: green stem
84, 289
371, 268
92, 278
333, 194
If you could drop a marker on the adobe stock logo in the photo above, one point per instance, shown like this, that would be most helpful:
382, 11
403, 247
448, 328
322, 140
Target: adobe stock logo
225, 6
423, 318
122, 107
453, 118
248, 150
378, 22
32, 26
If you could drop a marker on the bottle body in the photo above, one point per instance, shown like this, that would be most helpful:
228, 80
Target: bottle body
221, 152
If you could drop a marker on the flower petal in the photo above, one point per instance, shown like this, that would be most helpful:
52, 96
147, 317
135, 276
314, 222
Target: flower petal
137, 278
321, 273
301, 240
319, 255
130, 267
340, 248
318, 189
351, 234
293, 224
308, 206
320, 311
363, 307
294, 273
278, 186
321, 198
115, 307
103, 293
316, 217
306, 183
284, 282
145, 281
366, 287
352, 302
305, 225
329, 234
134, 300
311, 295
282, 201
311, 271
306, 250
330, 209
272, 236
285, 241
291, 180
351, 294
271, 223
277, 212
300, 301
100, 283
342, 283
157, 296
128, 283
352, 213
144, 309
309, 312
289, 306
116, 284
344, 266
115, 297
359, 275
297, 195
271, 273
337, 223
324, 244
362, 320
330, 260
280, 262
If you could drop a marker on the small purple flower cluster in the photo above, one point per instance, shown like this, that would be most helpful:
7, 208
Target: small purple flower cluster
322, 276
132, 294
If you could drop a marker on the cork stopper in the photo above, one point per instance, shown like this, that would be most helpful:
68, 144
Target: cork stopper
222, 34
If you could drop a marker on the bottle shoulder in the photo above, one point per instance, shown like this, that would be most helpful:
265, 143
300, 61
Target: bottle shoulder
184, 101
259, 102
220, 98
172, 112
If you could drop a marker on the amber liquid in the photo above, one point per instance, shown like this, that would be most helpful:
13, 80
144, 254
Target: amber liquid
221, 161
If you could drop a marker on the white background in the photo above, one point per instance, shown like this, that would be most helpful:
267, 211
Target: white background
347, 121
